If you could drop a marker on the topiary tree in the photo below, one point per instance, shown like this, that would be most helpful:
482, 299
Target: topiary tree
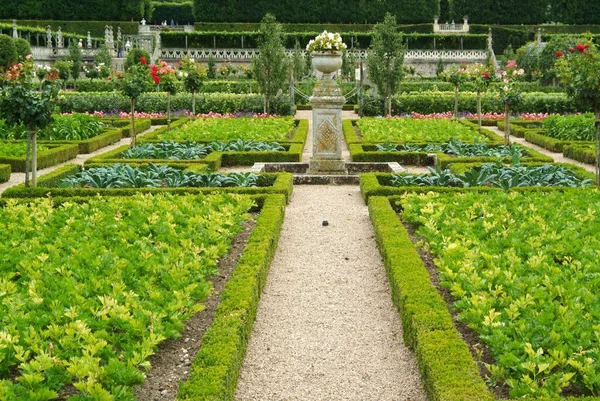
64, 70
385, 59
103, 57
8, 51
271, 65
579, 71
481, 76
23, 48
134, 56
510, 93
456, 75
166, 76
76, 58
212, 67
194, 75
135, 81
22, 104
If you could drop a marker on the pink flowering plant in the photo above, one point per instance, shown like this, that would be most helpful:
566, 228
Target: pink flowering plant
23, 103
456, 75
510, 93
481, 76
193, 75
579, 71
167, 77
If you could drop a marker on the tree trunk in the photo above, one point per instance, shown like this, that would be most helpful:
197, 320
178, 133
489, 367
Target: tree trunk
133, 133
193, 105
169, 111
33, 157
27, 158
456, 103
267, 105
479, 109
506, 125
598, 147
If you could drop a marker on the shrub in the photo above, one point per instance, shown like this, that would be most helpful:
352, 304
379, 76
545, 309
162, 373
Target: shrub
134, 56
22, 46
8, 51
579, 127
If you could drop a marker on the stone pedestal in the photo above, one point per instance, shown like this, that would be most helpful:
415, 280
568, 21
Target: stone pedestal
327, 101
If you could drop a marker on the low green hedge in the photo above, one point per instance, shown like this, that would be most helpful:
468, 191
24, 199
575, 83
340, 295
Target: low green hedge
215, 370
4, 172
55, 154
448, 370
90, 145
155, 102
518, 128
379, 184
581, 153
282, 183
537, 137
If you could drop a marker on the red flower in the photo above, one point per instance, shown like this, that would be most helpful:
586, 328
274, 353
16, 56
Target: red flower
143, 60
571, 50
156, 79
559, 54
486, 75
580, 47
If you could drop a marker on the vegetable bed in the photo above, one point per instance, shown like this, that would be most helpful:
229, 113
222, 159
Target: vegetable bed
89, 290
523, 269
231, 129
380, 130
49, 154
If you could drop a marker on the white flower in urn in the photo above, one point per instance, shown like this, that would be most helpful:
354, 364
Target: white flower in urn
326, 41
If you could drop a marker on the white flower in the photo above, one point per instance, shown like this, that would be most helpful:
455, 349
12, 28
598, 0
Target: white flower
505, 88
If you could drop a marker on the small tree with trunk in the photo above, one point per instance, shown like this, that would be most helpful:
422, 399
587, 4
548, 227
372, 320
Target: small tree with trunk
579, 71
385, 59
135, 81
481, 77
22, 104
271, 65
76, 58
456, 75
510, 93
194, 76
167, 78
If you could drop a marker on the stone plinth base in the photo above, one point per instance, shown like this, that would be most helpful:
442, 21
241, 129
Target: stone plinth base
327, 166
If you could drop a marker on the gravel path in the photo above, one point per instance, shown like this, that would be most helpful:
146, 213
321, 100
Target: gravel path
326, 327
558, 157
19, 178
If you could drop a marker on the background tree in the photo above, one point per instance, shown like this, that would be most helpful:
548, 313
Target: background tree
76, 58
103, 57
385, 59
271, 65
579, 71
212, 67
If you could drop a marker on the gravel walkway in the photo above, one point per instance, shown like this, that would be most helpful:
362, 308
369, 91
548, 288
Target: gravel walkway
19, 178
326, 327
558, 157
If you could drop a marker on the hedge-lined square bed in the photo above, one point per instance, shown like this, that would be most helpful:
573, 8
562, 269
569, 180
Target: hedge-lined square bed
48, 154
129, 179
96, 285
4, 172
227, 129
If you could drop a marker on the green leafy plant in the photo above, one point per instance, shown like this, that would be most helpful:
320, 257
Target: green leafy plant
232, 129
87, 315
496, 175
578, 127
456, 147
413, 130
154, 176
193, 150
8, 149
519, 266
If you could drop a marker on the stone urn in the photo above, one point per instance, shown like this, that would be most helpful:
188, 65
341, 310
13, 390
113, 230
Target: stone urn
327, 62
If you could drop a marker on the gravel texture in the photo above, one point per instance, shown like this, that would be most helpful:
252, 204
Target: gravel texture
326, 327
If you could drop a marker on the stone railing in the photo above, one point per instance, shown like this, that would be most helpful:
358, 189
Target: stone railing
52, 53
450, 28
246, 55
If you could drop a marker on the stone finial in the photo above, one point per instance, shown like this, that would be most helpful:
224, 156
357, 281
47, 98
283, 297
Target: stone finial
489, 38
119, 36
48, 36
89, 40
14, 27
59, 38
539, 35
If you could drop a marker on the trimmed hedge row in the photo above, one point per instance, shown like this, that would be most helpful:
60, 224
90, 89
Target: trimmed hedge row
215, 370
55, 154
282, 183
581, 153
448, 370
410, 86
212, 86
4, 172
379, 184
80, 28
157, 102
440, 102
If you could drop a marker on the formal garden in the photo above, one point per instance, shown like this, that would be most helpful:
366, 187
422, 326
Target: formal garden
207, 200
